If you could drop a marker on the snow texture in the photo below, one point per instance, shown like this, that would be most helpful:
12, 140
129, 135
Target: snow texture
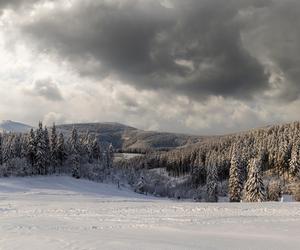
65, 213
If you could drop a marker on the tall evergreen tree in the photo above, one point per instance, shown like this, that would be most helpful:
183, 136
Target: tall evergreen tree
47, 150
235, 178
1, 144
90, 147
212, 183
7, 149
76, 166
54, 148
110, 156
40, 163
74, 142
61, 150
96, 151
16, 146
75, 151
255, 188
294, 169
31, 148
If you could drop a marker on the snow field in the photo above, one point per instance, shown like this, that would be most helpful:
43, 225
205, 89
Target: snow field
65, 213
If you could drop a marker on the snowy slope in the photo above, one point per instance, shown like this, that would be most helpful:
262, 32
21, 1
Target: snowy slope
64, 213
15, 127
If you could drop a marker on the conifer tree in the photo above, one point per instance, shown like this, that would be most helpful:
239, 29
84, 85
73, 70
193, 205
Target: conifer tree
89, 147
47, 151
110, 156
31, 148
74, 142
235, 178
40, 163
54, 148
294, 169
16, 146
7, 149
74, 145
76, 166
254, 188
212, 183
96, 152
61, 151
1, 142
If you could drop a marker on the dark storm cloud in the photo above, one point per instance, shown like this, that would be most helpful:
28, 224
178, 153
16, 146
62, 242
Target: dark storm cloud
194, 48
273, 34
284, 44
6, 3
45, 88
14, 4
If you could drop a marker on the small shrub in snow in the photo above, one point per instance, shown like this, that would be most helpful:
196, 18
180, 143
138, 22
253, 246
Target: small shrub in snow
223, 188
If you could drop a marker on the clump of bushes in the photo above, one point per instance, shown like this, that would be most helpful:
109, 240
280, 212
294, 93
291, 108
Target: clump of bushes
274, 190
296, 192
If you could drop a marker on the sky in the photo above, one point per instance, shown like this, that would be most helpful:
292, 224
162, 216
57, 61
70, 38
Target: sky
192, 66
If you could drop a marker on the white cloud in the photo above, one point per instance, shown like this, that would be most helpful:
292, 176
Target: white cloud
46, 89
53, 117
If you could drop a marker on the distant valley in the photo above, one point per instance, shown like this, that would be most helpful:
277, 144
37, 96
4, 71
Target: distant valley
122, 137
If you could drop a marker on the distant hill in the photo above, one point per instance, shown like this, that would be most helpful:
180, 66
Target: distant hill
14, 127
131, 139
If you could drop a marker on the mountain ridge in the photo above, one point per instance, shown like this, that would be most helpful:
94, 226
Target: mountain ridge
14, 127
128, 138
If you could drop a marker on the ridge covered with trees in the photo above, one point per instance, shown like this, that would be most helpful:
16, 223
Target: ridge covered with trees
42, 153
258, 165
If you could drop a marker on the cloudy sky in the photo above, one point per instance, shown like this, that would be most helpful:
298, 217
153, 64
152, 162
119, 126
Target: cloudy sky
192, 66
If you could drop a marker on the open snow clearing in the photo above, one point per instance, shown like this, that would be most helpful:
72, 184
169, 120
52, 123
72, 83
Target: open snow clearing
65, 213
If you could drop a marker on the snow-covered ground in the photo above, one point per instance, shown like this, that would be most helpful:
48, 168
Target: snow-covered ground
64, 213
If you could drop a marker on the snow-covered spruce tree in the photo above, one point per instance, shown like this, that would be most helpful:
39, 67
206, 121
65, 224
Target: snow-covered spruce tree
294, 169
212, 183
284, 154
235, 177
40, 162
89, 144
110, 156
97, 161
7, 149
74, 146
16, 146
74, 142
76, 166
47, 151
1, 142
31, 148
54, 148
254, 188
61, 151
95, 150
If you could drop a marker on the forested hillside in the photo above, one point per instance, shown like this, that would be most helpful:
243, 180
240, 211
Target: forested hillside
43, 152
129, 139
260, 159
258, 165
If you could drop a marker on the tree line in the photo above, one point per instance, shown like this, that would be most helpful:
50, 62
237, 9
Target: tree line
253, 165
41, 152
